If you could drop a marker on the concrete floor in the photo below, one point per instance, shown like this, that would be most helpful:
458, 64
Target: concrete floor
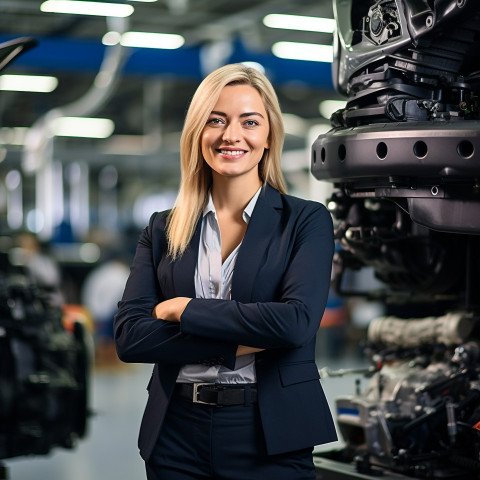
109, 451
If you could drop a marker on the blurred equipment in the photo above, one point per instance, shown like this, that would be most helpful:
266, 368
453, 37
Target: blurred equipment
44, 367
43, 370
404, 158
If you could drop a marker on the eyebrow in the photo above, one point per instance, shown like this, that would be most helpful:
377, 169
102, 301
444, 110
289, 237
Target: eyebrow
246, 114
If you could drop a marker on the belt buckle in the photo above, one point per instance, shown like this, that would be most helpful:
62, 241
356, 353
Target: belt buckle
196, 393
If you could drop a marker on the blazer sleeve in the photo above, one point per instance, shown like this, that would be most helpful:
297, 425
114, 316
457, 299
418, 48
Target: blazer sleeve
141, 338
293, 318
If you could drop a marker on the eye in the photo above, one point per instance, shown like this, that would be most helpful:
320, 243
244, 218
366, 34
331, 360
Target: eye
250, 123
214, 121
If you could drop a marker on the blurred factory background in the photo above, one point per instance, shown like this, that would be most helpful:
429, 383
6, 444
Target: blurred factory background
90, 122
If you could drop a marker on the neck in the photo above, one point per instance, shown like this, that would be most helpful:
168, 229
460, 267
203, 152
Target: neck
233, 194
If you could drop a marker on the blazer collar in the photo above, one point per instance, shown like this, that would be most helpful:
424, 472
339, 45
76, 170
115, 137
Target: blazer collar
260, 229
184, 267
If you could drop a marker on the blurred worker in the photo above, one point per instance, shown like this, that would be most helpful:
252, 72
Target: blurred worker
39, 265
101, 291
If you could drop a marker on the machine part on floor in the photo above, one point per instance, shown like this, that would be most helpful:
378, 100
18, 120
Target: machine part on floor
404, 159
418, 415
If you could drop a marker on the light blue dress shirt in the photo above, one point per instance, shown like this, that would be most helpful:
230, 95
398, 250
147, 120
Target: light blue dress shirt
214, 280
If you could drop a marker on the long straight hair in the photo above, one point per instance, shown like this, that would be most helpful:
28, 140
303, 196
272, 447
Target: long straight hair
196, 176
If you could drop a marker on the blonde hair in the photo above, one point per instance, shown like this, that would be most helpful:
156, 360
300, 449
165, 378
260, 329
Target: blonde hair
196, 175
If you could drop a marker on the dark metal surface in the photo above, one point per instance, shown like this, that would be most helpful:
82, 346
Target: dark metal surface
328, 469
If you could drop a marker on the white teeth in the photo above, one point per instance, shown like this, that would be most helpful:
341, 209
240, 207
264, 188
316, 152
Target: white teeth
232, 152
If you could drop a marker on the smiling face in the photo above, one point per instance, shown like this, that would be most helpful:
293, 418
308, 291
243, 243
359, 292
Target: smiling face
236, 133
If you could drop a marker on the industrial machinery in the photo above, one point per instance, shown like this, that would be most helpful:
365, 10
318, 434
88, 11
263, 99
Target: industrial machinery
44, 369
404, 159
44, 366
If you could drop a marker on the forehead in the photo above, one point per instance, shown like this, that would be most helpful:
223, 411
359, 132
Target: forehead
244, 98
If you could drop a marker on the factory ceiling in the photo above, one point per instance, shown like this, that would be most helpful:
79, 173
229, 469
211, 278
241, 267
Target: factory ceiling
152, 87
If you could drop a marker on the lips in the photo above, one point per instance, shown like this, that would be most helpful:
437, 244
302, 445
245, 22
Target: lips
231, 153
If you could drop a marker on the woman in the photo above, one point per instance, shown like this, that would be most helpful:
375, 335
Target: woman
225, 297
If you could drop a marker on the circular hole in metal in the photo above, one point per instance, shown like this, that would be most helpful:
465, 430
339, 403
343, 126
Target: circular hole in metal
314, 157
460, 3
342, 152
382, 150
323, 154
420, 149
434, 190
429, 21
465, 148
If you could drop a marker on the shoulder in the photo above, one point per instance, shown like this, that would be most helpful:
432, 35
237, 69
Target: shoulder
156, 227
159, 220
298, 203
298, 207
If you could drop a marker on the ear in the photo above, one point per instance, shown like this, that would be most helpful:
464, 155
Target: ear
267, 143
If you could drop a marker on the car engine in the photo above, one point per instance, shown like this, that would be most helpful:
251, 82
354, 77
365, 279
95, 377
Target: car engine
404, 160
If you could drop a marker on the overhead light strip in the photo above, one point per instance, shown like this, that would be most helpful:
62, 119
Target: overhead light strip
169, 41
28, 83
13, 135
328, 107
76, 7
300, 22
83, 127
80, 127
303, 51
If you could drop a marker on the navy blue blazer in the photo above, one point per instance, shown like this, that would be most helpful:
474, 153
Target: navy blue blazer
279, 291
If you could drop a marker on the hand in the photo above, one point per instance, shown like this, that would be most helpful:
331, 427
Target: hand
171, 310
243, 350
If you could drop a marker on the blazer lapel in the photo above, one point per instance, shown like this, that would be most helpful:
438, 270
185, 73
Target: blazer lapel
261, 227
184, 268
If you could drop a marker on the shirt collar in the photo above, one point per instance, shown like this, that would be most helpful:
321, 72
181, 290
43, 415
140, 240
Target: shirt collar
247, 211
209, 207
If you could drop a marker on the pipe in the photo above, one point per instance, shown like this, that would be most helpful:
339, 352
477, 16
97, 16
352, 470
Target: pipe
38, 149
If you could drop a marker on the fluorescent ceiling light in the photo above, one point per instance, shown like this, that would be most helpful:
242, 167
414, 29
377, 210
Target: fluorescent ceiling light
83, 127
328, 107
101, 9
28, 83
111, 38
300, 22
303, 51
293, 124
13, 135
168, 41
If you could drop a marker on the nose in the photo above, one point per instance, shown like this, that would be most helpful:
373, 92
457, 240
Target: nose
231, 133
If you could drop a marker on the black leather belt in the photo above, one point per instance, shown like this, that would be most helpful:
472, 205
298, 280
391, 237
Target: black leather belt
218, 395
